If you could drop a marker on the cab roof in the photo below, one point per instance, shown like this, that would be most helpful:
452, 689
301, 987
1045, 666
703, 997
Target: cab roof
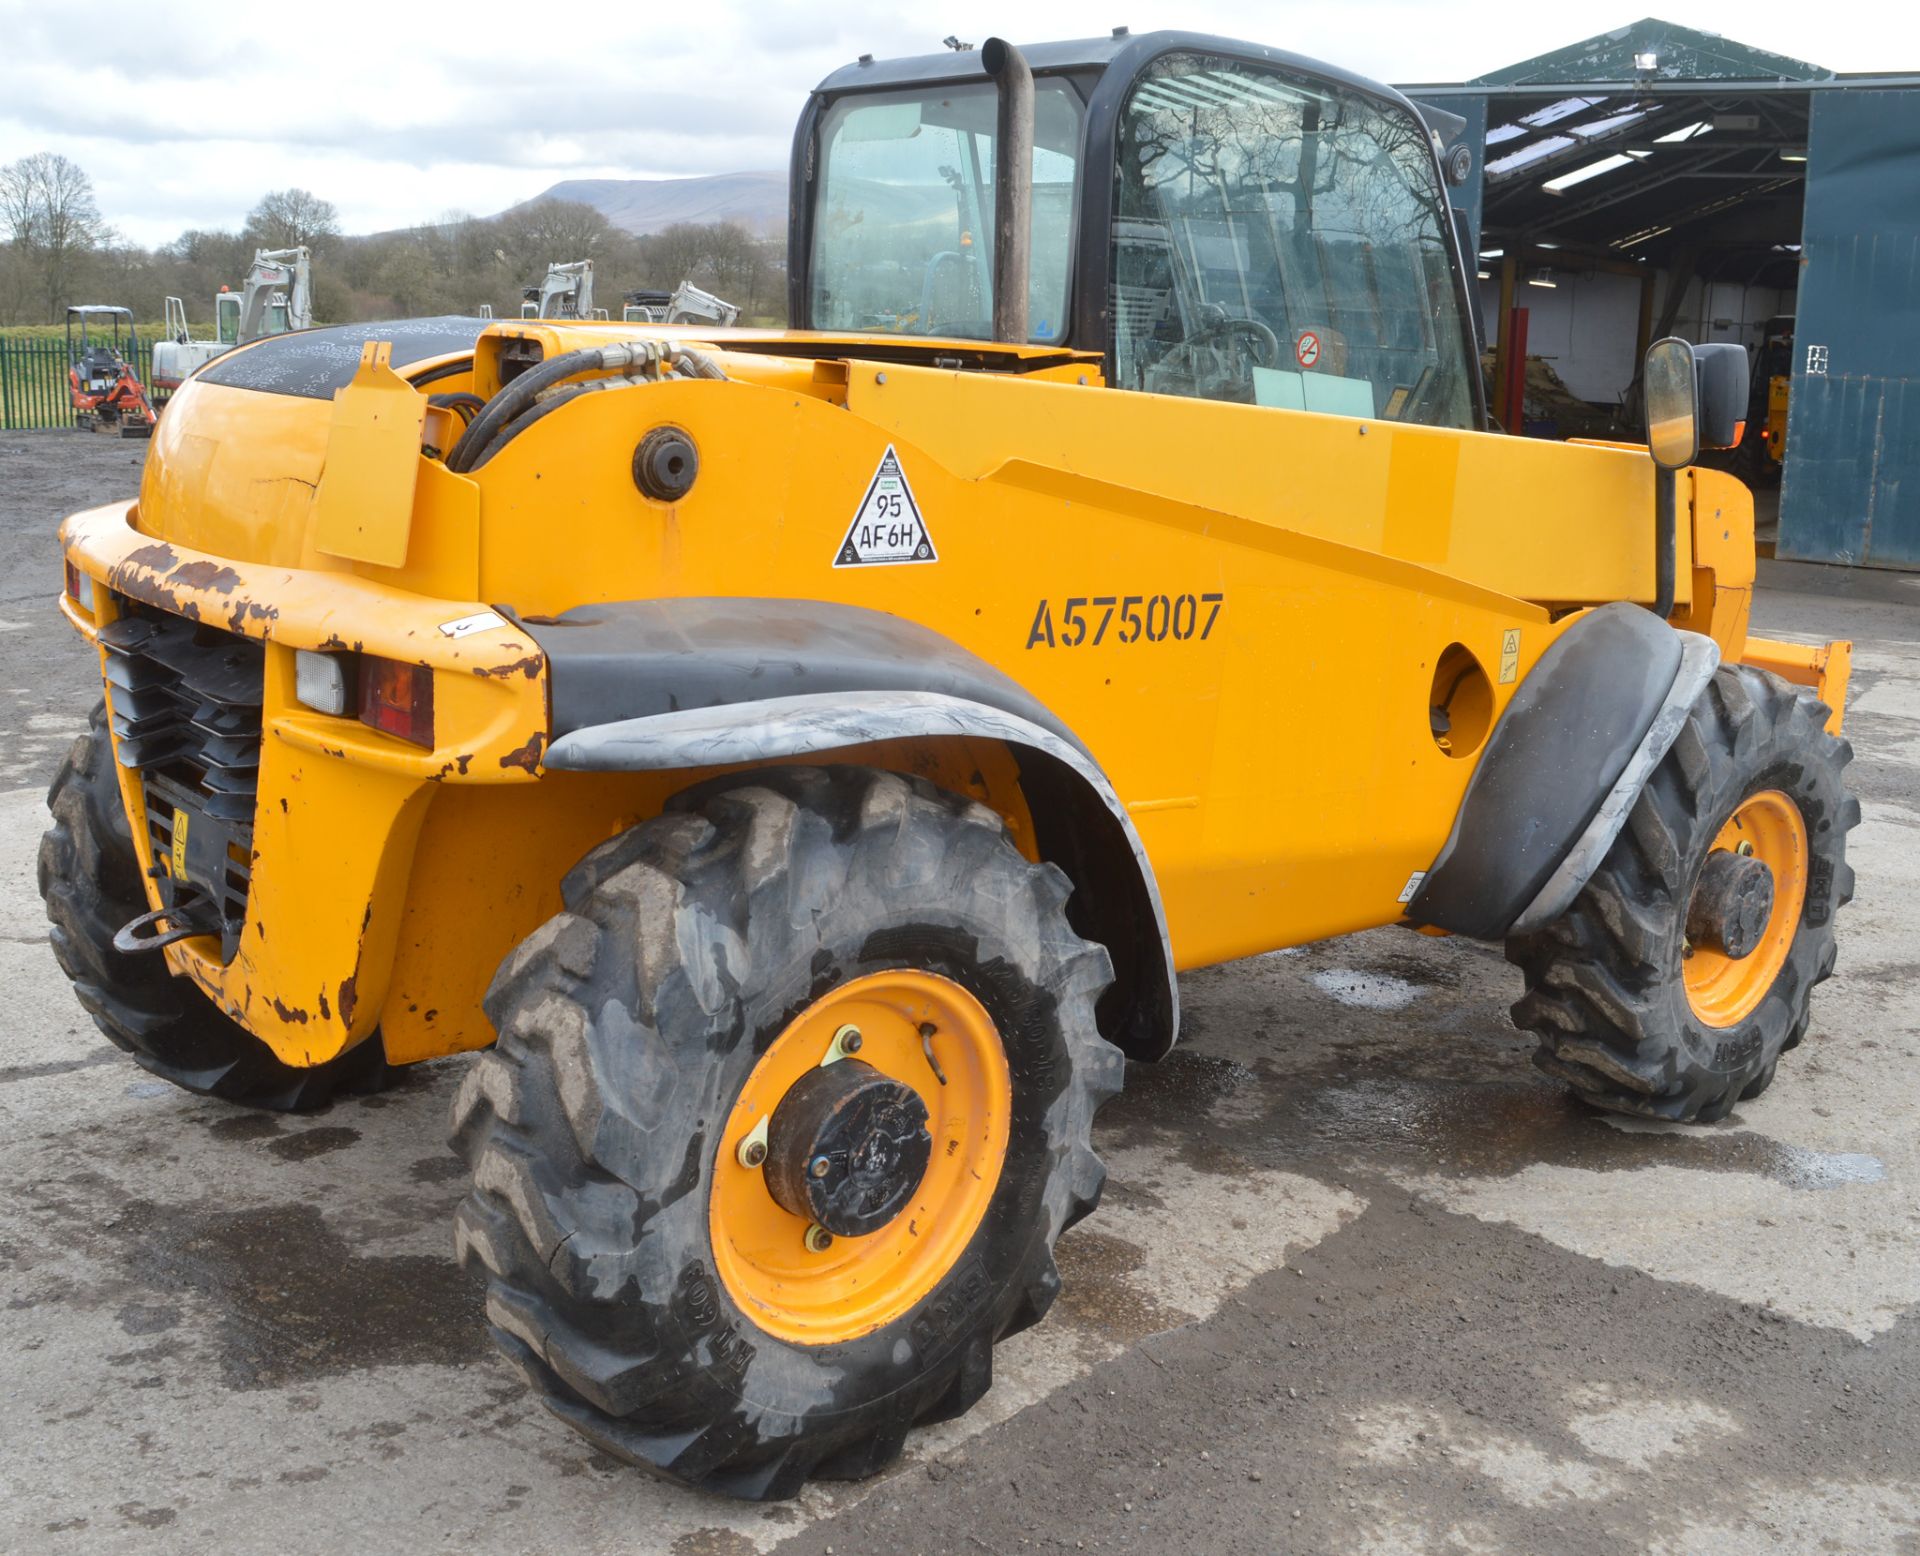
1129, 50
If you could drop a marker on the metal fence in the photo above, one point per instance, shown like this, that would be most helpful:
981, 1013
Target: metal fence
33, 381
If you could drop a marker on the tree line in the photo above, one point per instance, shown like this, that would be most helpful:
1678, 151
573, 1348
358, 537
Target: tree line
59, 249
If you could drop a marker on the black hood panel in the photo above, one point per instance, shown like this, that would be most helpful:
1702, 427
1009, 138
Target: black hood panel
315, 363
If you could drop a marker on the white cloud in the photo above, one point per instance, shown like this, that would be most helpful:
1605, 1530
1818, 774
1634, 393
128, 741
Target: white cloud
184, 114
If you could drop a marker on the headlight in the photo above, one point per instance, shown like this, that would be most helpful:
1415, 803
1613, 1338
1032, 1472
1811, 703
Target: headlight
322, 681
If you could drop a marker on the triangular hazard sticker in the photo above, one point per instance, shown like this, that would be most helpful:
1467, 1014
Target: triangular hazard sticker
888, 528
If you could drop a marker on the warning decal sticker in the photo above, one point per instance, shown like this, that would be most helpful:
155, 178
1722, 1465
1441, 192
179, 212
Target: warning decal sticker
1306, 350
888, 527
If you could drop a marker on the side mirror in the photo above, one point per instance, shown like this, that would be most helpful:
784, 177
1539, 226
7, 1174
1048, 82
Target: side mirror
1673, 404
1696, 398
1720, 373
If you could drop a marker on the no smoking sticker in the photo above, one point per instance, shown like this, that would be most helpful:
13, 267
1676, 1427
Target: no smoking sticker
1306, 349
887, 528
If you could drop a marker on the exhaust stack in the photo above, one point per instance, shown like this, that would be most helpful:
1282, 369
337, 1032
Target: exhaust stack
1012, 188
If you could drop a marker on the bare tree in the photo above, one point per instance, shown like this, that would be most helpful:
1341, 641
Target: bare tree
552, 231
291, 218
48, 205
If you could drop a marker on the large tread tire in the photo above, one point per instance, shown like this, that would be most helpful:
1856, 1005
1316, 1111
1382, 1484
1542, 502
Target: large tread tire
90, 880
627, 1025
1605, 988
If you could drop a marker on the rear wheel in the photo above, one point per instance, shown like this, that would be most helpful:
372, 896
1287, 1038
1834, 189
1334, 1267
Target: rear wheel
1684, 970
90, 880
787, 1110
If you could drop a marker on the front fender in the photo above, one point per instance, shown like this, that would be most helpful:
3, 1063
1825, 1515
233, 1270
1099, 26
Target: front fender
1561, 771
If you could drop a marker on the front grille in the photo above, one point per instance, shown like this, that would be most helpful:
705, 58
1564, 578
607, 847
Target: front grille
185, 702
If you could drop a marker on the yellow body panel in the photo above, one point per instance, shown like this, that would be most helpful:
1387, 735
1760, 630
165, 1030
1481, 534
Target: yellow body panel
1825, 668
1242, 612
364, 506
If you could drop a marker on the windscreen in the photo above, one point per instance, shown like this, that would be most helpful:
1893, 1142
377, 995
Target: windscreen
903, 231
1279, 241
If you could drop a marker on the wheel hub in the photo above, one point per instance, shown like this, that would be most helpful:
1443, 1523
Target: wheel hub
1731, 904
847, 1148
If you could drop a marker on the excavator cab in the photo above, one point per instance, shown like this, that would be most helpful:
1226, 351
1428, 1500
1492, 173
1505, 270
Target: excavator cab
1220, 221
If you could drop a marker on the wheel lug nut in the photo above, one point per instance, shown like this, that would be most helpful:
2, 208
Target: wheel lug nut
819, 1166
1744, 848
752, 1150
818, 1239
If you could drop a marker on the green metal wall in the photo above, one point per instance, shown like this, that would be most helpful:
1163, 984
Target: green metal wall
1850, 491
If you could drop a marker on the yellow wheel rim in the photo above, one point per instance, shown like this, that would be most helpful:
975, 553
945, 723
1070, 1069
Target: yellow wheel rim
859, 1284
1723, 991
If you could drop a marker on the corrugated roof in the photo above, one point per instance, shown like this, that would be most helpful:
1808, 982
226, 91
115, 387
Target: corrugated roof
1680, 53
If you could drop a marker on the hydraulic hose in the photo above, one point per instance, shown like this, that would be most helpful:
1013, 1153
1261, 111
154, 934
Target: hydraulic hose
465, 406
521, 392
684, 363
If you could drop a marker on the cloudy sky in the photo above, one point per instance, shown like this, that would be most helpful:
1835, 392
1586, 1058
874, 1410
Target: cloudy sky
185, 112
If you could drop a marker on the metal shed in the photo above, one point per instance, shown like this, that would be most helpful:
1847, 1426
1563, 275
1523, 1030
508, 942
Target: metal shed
1678, 162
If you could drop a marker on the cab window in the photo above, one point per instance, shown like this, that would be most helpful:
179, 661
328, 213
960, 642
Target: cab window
1279, 241
903, 230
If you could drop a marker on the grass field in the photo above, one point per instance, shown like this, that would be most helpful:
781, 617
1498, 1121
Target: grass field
148, 333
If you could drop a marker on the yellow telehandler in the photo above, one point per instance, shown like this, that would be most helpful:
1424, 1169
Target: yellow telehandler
805, 758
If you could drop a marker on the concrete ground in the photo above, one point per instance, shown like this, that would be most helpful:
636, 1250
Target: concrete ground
1364, 1282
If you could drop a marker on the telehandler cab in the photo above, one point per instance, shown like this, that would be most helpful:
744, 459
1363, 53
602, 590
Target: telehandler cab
803, 759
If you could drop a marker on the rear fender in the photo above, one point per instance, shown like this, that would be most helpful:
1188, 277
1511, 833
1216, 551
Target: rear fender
681, 685
1560, 773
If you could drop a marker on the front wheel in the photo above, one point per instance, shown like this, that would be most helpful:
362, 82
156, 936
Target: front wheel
787, 1110
1684, 969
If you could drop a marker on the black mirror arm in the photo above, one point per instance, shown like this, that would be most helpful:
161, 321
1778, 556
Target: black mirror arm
1666, 519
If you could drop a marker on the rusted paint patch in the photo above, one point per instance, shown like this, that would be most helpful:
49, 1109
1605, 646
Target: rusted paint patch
326, 1010
527, 756
291, 1014
216, 576
250, 610
158, 557
530, 667
349, 998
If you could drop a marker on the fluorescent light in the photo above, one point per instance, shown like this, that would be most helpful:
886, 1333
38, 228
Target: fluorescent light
1581, 174
1646, 61
1796, 154
1542, 277
1483, 275
1492, 253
